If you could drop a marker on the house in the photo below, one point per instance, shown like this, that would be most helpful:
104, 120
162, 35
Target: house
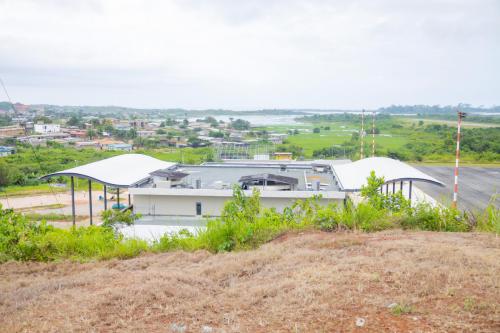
41, 139
122, 127
283, 156
6, 151
77, 133
87, 144
145, 134
47, 128
119, 146
11, 131
277, 138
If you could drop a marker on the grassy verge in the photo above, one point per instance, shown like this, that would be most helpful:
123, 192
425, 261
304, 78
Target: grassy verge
52, 217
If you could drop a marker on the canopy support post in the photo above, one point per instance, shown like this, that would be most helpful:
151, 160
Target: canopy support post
90, 200
409, 194
73, 200
105, 197
129, 201
387, 189
401, 186
118, 197
393, 187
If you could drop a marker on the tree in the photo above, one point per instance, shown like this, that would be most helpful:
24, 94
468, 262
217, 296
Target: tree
73, 121
195, 142
240, 124
216, 134
170, 122
4, 174
316, 130
91, 133
391, 201
132, 133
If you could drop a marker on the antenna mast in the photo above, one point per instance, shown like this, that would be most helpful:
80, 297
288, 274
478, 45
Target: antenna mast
373, 134
361, 135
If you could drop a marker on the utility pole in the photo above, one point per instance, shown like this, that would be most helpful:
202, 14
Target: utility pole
373, 134
361, 135
461, 115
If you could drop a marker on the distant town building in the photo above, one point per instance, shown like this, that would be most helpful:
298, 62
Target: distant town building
145, 134
122, 127
119, 146
77, 133
11, 131
87, 144
277, 138
283, 156
41, 139
47, 128
6, 151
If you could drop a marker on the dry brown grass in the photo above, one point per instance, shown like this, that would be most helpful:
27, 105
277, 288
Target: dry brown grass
313, 282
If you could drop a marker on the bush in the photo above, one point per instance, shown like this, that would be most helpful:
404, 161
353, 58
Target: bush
22, 239
244, 224
427, 217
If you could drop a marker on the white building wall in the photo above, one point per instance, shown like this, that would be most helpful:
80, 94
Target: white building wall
47, 128
186, 205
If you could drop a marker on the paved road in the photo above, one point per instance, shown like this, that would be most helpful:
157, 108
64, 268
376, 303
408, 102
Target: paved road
476, 185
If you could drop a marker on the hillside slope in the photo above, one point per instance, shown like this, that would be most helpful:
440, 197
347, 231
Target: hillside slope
300, 282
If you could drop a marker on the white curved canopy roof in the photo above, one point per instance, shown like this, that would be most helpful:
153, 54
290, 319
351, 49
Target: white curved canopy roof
352, 176
120, 171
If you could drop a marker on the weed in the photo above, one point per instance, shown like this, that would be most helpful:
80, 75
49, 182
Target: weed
401, 309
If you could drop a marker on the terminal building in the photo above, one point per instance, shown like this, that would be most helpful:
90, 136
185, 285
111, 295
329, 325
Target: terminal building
158, 188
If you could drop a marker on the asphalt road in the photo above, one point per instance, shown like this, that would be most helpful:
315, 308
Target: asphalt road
476, 185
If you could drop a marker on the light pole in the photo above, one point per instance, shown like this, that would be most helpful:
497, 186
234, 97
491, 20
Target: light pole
461, 115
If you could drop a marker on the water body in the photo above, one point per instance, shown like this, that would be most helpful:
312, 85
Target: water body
270, 120
260, 120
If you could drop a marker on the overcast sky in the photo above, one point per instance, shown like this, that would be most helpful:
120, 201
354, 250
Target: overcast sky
251, 54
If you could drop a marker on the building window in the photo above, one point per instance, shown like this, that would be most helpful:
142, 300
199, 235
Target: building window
198, 208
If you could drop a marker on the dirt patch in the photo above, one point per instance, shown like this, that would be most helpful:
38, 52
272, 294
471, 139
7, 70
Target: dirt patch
311, 282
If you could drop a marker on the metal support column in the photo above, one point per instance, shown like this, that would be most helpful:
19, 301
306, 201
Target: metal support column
387, 189
90, 200
118, 197
129, 201
409, 194
73, 200
393, 187
401, 186
105, 197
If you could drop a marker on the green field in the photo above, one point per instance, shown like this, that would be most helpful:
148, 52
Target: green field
405, 138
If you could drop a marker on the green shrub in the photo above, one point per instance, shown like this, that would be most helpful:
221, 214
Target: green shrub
244, 224
22, 239
183, 240
426, 217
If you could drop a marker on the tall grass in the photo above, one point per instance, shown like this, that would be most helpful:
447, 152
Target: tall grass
489, 219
